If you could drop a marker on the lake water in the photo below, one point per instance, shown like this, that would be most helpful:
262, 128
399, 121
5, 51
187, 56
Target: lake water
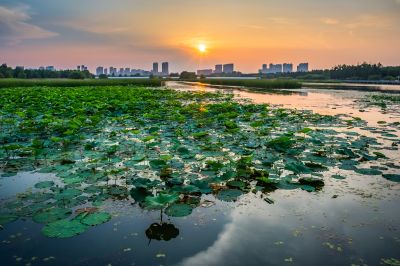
351, 221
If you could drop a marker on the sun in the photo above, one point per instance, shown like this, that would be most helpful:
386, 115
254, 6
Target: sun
202, 48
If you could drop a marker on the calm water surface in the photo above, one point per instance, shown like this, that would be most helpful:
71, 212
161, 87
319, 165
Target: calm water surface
354, 221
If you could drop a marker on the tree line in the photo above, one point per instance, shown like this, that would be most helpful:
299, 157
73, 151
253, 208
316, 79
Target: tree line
20, 73
362, 71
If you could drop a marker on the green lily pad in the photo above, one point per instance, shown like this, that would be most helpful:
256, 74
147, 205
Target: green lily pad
51, 215
160, 201
392, 177
95, 218
203, 186
158, 164
7, 218
67, 194
64, 228
338, 177
139, 194
367, 171
178, 210
44, 184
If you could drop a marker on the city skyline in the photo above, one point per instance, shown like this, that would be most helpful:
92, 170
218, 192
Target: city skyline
218, 69
118, 33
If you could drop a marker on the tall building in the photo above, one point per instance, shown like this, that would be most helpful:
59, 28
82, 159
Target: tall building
50, 68
155, 68
99, 71
113, 71
287, 68
105, 71
218, 69
127, 71
302, 67
204, 72
275, 68
165, 68
264, 68
228, 68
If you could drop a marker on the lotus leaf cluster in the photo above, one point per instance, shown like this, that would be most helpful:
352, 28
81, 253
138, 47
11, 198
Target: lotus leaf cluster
163, 150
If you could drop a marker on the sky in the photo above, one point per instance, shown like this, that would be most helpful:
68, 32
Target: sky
135, 33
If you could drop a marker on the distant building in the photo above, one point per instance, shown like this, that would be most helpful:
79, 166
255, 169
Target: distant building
228, 68
20, 67
155, 68
218, 69
50, 68
275, 68
302, 67
82, 68
127, 71
113, 71
165, 69
41, 68
264, 68
99, 71
105, 72
287, 68
205, 72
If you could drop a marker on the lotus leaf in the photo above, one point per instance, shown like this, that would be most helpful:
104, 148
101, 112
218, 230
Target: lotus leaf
178, 210
160, 201
64, 228
51, 215
368, 171
44, 184
392, 177
95, 218
7, 218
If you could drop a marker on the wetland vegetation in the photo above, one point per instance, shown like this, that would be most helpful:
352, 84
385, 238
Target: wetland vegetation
171, 154
9, 83
255, 83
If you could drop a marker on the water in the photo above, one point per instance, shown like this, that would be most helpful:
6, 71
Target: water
351, 221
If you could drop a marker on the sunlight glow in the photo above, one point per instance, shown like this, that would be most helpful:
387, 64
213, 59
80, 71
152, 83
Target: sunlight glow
202, 48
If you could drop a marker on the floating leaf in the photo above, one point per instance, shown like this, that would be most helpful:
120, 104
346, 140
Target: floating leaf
7, 218
178, 210
160, 201
64, 228
44, 184
95, 218
368, 171
392, 177
51, 215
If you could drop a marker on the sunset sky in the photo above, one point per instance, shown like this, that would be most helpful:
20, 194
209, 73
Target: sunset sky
134, 33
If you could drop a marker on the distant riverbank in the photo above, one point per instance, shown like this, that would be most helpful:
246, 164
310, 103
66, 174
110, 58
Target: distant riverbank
10, 83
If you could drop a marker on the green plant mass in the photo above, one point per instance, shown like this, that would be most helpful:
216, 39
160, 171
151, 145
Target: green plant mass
255, 83
162, 150
9, 83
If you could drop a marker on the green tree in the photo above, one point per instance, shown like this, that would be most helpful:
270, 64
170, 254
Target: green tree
185, 75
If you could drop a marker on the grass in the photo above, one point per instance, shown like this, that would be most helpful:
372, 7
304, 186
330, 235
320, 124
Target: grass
255, 83
12, 83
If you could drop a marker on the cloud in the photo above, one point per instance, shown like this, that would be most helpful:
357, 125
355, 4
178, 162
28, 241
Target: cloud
15, 27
